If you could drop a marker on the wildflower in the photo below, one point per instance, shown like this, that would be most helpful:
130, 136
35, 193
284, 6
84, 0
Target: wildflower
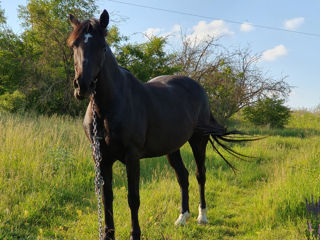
26, 213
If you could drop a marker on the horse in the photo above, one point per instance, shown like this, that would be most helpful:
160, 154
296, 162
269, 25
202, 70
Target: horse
140, 120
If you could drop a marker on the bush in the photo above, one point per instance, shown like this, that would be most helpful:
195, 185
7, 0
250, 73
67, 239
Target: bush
268, 111
12, 102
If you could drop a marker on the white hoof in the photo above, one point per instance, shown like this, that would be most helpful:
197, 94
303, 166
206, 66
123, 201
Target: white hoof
181, 221
202, 218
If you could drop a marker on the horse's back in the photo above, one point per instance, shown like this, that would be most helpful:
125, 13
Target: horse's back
178, 85
174, 106
176, 81
179, 90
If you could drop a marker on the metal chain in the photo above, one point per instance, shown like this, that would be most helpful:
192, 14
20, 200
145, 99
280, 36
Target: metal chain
98, 181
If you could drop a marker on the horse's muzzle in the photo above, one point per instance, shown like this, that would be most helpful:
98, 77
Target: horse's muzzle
81, 92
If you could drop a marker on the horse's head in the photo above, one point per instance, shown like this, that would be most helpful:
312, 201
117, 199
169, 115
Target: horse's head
88, 42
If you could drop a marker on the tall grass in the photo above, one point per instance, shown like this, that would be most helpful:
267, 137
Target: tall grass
47, 192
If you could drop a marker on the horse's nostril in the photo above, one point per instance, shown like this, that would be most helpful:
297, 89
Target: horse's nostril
75, 83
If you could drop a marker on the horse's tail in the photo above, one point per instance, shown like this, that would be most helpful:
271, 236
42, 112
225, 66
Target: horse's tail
219, 134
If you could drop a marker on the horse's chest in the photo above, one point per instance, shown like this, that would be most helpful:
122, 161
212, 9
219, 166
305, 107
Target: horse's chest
106, 133
113, 139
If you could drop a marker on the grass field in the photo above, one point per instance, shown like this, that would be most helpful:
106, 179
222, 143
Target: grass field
47, 191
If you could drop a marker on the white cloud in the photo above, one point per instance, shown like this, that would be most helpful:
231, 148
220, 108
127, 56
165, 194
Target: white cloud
176, 28
246, 27
204, 30
152, 32
273, 53
200, 32
294, 23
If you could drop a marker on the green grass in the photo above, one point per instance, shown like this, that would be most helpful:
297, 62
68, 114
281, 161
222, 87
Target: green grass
47, 192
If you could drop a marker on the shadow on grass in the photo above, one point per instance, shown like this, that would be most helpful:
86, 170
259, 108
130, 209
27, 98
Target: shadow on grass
153, 169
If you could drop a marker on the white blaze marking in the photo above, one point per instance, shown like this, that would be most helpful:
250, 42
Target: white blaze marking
182, 218
202, 218
86, 37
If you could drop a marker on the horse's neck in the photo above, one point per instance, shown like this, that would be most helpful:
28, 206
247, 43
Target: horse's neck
110, 83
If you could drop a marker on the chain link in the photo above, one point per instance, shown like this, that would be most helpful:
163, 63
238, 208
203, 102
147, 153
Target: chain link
98, 181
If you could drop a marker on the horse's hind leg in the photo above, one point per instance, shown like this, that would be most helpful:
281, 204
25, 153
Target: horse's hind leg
182, 174
198, 144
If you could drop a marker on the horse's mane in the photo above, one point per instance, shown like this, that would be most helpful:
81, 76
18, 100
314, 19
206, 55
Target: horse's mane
81, 29
123, 68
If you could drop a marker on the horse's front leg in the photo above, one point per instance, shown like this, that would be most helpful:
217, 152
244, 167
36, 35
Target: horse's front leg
133, 175
107, 200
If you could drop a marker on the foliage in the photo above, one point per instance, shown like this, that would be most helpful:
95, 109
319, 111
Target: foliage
12, 102
2, 17
50, 62
147, 60
223, 91
11, 58
47, 185
12, 62
232, 78
268, 111
115, 39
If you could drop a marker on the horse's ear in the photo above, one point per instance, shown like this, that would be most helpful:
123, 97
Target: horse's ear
104, 19
74, 21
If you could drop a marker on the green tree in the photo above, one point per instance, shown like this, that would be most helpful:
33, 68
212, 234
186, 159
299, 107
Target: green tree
11, 58
268, 111
223, 90
2, 17
115, 38
232, 78
50, 62
11, 67
147, 60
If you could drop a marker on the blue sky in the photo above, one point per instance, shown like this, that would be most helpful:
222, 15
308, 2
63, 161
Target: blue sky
284, 53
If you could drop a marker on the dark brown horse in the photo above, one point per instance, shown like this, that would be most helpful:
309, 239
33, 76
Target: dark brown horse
137, 120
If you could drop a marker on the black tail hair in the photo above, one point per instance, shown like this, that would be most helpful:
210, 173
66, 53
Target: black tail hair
219, 134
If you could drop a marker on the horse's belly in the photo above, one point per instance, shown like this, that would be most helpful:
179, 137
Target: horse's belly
161, 142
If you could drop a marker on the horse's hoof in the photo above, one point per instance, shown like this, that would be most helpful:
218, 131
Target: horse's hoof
181, 221
134, 237
109, 238
202, 218
108, 234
